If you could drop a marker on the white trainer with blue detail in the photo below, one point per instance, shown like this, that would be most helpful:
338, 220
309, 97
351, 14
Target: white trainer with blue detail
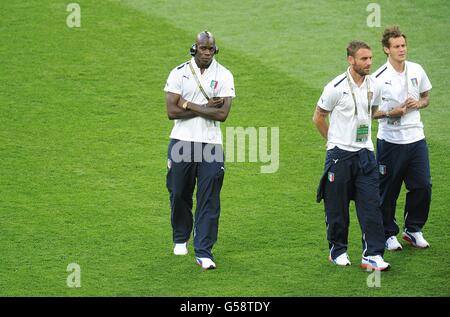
342, 260
374, 262
392, 244
415, 239
206, 263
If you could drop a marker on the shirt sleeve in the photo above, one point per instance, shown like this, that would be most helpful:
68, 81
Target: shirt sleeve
227, 88
329, 98
425, 83
377, 94
173, 83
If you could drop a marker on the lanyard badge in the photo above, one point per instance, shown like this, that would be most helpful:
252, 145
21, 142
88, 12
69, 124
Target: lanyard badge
362, 131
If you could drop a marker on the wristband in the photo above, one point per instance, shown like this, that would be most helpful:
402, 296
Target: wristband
185, 105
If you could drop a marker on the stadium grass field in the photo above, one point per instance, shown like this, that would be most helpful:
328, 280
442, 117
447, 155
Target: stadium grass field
84, 137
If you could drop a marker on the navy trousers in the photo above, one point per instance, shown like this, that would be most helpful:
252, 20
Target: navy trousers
190, 163
408, 163
352, 176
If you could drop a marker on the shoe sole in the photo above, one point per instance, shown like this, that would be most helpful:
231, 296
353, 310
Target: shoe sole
368, 266
212, 267
408, 239
394, 250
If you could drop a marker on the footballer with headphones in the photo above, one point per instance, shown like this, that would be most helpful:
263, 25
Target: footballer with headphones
198, 97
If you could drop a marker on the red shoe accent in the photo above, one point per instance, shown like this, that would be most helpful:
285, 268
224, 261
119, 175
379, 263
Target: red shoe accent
407, 239
368, 266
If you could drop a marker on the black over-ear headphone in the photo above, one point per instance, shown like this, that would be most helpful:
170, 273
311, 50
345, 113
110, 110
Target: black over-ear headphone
193, 49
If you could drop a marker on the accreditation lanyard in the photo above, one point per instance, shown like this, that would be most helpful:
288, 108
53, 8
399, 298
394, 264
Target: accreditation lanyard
202, 90
198, 82
398, 121
362, 127
369, 97
406, 80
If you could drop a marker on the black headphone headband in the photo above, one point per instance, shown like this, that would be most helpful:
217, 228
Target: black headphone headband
193, 49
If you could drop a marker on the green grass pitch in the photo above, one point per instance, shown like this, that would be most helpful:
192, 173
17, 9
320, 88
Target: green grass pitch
84, 134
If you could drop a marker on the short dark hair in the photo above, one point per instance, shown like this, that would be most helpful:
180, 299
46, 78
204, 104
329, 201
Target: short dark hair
354, 46
391, 32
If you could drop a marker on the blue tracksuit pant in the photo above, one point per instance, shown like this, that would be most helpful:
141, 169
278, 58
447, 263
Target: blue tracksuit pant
408, 163
352, 176
187, 165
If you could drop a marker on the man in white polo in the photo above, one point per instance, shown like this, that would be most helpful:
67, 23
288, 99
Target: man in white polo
198, 97
402, 152
350, 173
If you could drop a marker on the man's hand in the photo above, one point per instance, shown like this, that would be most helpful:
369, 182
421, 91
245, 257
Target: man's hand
423, 101
412, 103
216, 109
175, 110
399, 111
215, 102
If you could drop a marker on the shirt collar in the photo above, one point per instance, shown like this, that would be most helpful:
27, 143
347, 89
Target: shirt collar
353, 82
197, 69
392, 69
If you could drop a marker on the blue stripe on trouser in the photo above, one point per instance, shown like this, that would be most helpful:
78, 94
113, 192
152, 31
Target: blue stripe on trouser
181, 179
408, 163
355, 177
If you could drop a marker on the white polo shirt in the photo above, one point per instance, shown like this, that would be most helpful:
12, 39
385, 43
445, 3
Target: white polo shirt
337, 98
217, 81
409, 128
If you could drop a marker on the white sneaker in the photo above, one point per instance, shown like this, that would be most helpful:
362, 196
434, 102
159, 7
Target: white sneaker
180, 249
392, 244
206, 263
341, 260
374, 262
415, 239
